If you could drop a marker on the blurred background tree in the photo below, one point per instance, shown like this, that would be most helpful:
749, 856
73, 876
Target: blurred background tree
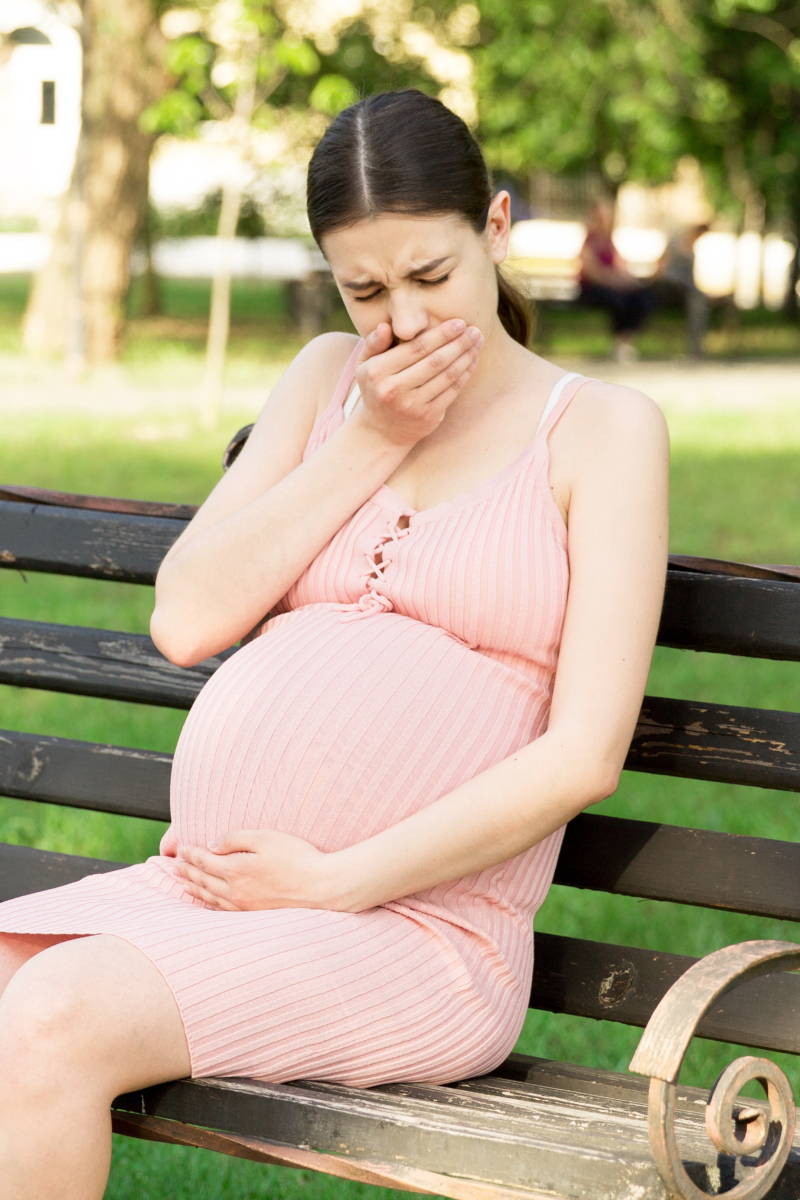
586, 85
624, 88
77, 302
751, 154
253, 68
615, 90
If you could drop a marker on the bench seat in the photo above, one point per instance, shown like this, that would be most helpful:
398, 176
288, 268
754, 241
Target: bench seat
533, 1128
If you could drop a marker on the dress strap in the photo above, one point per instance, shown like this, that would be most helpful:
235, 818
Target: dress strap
558, 400
333, 413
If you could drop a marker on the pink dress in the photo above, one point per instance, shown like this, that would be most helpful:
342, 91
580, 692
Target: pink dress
403, 662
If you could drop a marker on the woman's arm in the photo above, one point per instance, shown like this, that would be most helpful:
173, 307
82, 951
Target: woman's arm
272, 513
618, 462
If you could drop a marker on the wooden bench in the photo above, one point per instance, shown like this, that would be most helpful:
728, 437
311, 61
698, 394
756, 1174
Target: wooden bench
534, 1128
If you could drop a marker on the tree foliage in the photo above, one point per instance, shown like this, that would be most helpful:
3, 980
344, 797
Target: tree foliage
294, 74
625, 87
752, 154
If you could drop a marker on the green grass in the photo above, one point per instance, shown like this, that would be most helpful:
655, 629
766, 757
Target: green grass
148, 1172
13, 297
575, 333
735, 494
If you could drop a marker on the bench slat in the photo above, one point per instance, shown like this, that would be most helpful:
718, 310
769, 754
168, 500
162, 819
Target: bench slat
22, 494
359, 1170
631, 858
73, 541
587, 979
757, 618
624, 984
731, 615
752, 875
24, 870
96, 662
674, 737
113, 779
725, 743
513, 1142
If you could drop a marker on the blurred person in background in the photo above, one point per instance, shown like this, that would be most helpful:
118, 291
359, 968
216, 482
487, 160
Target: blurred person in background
675, 285
607, 283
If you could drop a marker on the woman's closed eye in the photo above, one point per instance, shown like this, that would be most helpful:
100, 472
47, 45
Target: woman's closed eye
423, 282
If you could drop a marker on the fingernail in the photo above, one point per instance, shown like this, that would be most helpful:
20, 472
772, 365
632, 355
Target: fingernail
459, 325
480, 342
474, 334
213, 845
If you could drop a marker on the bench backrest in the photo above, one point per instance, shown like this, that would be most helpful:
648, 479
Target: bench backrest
720, 607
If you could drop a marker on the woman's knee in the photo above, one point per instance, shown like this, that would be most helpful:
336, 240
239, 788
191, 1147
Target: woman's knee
43, 1027
94, 1010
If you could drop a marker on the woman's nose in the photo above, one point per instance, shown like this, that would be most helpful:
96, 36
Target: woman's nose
408, 318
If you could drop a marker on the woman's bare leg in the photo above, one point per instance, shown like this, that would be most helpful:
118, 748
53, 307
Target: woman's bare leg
80, 1023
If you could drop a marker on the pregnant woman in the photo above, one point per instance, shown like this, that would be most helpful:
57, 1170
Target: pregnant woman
462, 550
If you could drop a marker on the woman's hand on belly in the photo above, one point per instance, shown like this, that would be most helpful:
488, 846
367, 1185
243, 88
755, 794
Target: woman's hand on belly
258, 869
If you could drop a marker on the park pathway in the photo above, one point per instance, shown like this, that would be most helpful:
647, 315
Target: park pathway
29, 387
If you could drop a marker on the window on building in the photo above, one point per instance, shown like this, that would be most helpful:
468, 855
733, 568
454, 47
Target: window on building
48, 102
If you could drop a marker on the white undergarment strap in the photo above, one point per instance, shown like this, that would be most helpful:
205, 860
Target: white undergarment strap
351, 401
555, 396
552, 399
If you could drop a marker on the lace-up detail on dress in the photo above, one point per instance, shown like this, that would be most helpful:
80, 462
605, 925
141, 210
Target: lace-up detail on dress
372, 600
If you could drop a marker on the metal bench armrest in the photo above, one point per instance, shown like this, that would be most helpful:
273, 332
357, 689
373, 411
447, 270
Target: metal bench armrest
738, 1130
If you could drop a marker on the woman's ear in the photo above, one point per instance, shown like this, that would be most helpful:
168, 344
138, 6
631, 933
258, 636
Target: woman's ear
498, 226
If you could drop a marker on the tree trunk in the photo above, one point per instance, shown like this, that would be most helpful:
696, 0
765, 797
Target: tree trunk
151, 283
219, 318
77, 302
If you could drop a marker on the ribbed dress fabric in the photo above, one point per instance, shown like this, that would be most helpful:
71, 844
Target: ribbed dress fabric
403, 662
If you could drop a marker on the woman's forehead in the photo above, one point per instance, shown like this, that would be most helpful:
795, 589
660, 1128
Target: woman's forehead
394, 244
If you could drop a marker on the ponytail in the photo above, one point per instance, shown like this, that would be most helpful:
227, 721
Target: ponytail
513, 310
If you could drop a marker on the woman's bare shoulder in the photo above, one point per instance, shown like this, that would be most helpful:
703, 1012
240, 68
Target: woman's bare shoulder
615, 413
298, 398
609, 435
321, 363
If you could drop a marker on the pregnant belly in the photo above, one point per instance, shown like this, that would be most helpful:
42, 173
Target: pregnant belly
333, 729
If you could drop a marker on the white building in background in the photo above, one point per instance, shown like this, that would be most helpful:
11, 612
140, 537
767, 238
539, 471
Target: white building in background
40, 97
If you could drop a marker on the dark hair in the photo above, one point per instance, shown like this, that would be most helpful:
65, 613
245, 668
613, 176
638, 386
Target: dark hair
405, 152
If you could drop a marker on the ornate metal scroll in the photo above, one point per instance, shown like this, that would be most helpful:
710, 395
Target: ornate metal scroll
734, 1127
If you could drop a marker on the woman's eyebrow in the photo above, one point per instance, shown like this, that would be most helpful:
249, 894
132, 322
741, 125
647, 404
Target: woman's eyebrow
430, 266
423, 270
